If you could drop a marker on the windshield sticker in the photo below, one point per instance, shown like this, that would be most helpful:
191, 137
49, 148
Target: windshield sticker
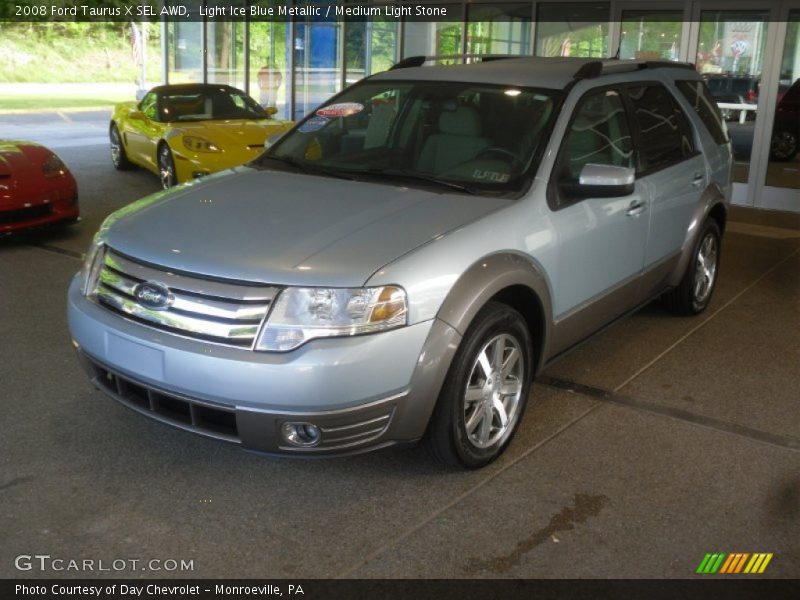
343, 109
313, 124
493, 176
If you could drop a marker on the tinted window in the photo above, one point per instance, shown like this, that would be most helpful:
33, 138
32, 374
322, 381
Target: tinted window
664, 129
704, 105
598, 135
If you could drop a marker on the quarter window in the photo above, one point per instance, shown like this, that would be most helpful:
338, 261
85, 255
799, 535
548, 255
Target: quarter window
664, 129
706, 108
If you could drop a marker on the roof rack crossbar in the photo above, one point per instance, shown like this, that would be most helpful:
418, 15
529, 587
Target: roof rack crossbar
596, 68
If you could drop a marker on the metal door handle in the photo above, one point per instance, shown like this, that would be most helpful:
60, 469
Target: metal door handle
698, 180
635, 208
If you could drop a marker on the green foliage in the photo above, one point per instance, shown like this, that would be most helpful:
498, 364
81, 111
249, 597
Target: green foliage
73, 52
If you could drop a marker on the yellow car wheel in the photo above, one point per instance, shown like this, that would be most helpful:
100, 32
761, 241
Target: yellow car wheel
166, 167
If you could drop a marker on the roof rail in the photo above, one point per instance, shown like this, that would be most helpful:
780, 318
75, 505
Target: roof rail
613, 65
418, 61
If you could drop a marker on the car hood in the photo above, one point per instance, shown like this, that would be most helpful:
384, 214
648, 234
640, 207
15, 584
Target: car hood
233, 133
17, 158
287, 228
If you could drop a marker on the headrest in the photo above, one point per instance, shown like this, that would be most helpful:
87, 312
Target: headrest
461, 121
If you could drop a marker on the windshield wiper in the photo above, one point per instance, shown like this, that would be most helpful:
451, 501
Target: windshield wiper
422, 177
308, 167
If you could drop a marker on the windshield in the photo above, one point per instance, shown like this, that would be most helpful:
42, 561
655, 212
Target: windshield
473, 137
206, 104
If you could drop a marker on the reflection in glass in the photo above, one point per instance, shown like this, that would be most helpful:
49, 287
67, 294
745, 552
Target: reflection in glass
784, 157
651, 34
730, 55
268, 57
435, 38
503, 28
572, 29
317, 73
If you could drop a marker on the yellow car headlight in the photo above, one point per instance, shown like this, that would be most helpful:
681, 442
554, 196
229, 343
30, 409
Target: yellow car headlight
198, 144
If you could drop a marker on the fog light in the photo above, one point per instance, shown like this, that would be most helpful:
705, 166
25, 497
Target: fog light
301, 434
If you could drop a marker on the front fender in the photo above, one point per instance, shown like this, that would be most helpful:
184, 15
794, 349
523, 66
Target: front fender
488, 277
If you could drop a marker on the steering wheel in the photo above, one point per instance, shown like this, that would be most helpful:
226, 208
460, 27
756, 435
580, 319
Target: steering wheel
516, 160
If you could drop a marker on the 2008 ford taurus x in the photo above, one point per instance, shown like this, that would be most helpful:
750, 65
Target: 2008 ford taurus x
400, 264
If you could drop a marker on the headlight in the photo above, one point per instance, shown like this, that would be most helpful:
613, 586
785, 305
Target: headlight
53, 166
198, 144
302, 314
92, 263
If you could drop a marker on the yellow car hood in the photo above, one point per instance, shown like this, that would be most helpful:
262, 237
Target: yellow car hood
234, 133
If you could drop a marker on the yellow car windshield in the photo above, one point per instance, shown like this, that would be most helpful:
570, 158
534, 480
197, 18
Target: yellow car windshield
209, 104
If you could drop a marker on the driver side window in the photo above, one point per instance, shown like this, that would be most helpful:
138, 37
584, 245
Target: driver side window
148, 106
598, 135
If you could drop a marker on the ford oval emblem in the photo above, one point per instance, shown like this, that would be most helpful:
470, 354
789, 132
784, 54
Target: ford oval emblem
153, 295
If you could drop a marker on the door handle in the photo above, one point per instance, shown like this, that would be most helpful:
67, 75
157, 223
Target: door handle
636, 208
697, 181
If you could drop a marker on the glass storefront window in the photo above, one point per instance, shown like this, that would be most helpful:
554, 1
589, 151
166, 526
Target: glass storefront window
317, 68
784, 157
225, 41
444, 38
651, 34
503, 28
369, 47
185, 47
730, 55
572, 29
268, 60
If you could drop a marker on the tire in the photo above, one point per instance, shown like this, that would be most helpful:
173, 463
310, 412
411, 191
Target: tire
693, 293
166, 167
118, 156
784, 146
460, 432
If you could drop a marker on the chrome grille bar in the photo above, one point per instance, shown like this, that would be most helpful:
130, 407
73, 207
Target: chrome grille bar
212, 310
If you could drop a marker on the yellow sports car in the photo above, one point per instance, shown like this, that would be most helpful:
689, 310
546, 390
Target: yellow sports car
182, 132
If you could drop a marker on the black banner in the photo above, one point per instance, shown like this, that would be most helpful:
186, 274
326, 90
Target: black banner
411, 589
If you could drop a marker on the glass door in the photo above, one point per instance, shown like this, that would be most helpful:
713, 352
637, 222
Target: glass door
782, 178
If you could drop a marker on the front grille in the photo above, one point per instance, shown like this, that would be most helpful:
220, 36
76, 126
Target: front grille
212, 310
25, 214
188, 414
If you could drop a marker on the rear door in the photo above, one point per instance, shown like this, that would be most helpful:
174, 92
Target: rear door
672, 173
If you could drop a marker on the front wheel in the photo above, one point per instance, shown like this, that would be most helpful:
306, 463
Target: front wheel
485, 391
693, 293
118, 156
166, 167
784, 146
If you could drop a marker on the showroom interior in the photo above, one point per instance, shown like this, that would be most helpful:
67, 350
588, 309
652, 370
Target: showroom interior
656, 442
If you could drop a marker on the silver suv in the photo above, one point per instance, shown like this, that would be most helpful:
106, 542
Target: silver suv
400, 264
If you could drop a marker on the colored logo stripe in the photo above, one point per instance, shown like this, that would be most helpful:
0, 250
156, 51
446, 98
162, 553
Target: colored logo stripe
721, 562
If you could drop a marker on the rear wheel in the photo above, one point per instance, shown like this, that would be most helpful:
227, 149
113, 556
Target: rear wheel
118, 156
166, 167
485, 392
693, 294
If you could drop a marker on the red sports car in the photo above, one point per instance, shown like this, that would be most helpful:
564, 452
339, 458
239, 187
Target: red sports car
36, 188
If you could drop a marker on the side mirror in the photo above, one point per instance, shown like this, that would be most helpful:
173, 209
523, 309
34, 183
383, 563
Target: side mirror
606, 181
271, 111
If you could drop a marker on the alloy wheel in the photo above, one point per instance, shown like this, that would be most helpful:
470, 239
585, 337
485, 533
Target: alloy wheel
494, 389
784, 145
116, 147
705, 268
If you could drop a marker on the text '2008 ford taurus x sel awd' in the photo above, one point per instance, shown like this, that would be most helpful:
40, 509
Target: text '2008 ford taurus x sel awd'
402, 263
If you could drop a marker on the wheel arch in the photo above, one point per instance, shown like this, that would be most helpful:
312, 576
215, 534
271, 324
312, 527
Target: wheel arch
712, 205
508, 277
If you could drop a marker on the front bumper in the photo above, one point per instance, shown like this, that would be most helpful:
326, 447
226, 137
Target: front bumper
362, 392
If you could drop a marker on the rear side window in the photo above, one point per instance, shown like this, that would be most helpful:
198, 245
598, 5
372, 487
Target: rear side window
664, 130
706, 108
